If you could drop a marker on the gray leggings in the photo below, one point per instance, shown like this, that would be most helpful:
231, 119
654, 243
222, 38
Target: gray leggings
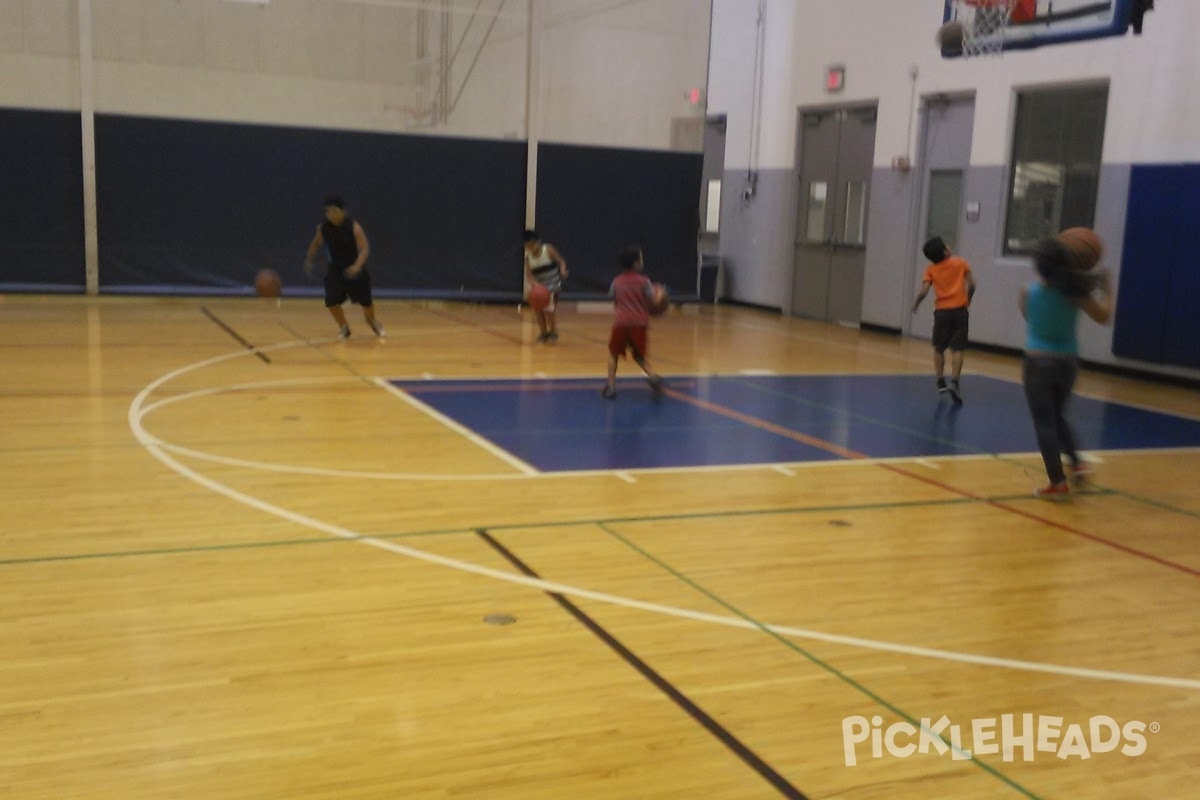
1048, 384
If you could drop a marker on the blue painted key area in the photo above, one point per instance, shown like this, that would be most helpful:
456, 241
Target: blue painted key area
559, 424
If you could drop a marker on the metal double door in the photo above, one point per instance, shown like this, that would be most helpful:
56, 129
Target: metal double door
836, 156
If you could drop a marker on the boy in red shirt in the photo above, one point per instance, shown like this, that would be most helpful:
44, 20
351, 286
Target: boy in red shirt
950, 277
632, 294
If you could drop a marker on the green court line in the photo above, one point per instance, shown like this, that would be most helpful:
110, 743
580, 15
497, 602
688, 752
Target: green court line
213, 548
1159, 504
832, 670
512, 526
1162, 506
758, 512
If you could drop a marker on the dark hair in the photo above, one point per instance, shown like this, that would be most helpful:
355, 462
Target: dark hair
531, 236
1056, 266
336, 201
629, 256
935, 249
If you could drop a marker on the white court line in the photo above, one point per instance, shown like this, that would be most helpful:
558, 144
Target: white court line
323, 472
462, 430
914, 360
786, 468
625, 476
1141, 407
244, 387
148, 442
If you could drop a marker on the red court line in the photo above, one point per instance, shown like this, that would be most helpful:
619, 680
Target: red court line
762, 424
1047, 521
853, 454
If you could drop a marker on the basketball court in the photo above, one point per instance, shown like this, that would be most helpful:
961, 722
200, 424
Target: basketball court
245, 560
242, 559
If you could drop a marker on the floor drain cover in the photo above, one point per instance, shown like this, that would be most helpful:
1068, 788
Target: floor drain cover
499, 619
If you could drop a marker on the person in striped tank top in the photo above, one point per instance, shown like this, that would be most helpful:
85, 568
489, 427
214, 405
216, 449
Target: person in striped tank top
544, 265
632, 293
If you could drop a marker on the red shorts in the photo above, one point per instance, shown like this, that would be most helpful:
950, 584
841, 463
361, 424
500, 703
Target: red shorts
627, 337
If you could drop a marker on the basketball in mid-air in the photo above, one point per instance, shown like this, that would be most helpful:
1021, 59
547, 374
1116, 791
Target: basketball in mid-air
1085, 246
267, 283
950, 38
661, 301
539, 296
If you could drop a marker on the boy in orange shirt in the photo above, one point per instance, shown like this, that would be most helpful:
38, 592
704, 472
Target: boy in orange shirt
950, 277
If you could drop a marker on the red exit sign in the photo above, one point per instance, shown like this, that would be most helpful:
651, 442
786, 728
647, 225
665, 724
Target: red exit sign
835, 78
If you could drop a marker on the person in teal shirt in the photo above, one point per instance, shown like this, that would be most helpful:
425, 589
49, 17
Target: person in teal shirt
1051, 307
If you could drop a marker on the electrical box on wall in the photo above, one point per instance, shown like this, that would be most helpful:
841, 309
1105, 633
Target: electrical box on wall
835, 77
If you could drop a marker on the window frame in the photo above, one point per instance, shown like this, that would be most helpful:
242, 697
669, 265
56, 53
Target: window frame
1020, 138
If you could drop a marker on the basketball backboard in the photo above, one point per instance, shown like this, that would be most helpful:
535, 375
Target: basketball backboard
1034, 23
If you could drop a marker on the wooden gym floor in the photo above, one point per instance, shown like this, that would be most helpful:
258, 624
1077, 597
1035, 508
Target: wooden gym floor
270, 573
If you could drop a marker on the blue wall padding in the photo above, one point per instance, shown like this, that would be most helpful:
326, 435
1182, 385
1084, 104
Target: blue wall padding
41, 200
1151, 231
1158, 301
189, 203
198, 206
1181, 340
592, 201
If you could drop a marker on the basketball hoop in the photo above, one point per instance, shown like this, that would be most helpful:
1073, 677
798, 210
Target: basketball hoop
983, 23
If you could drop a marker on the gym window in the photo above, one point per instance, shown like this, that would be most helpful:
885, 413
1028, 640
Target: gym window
1057, 144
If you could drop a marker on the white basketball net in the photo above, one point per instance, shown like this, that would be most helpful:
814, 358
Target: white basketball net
983, 24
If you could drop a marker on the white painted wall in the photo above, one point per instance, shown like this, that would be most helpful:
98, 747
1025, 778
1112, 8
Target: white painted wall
1153, 117
752, 82
1154, 104
615, 71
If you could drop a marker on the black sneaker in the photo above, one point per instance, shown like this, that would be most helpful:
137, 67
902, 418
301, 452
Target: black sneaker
656, 385
954, 391
608, 393
942, 386
343, 333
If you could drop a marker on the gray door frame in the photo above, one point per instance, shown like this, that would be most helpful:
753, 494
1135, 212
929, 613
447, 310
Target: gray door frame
799, 202
713, 169
931, 158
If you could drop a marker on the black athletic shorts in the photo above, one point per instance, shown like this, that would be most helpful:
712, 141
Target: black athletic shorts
338, 287
950, 329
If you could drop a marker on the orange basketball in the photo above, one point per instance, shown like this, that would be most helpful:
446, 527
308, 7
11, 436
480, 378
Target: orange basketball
950, 38
1085, 246
539, 296
661, 301
267, 283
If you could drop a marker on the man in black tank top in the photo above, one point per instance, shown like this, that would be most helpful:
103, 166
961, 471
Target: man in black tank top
346, 247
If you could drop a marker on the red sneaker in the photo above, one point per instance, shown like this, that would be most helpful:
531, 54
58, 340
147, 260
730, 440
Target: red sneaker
1054, 491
